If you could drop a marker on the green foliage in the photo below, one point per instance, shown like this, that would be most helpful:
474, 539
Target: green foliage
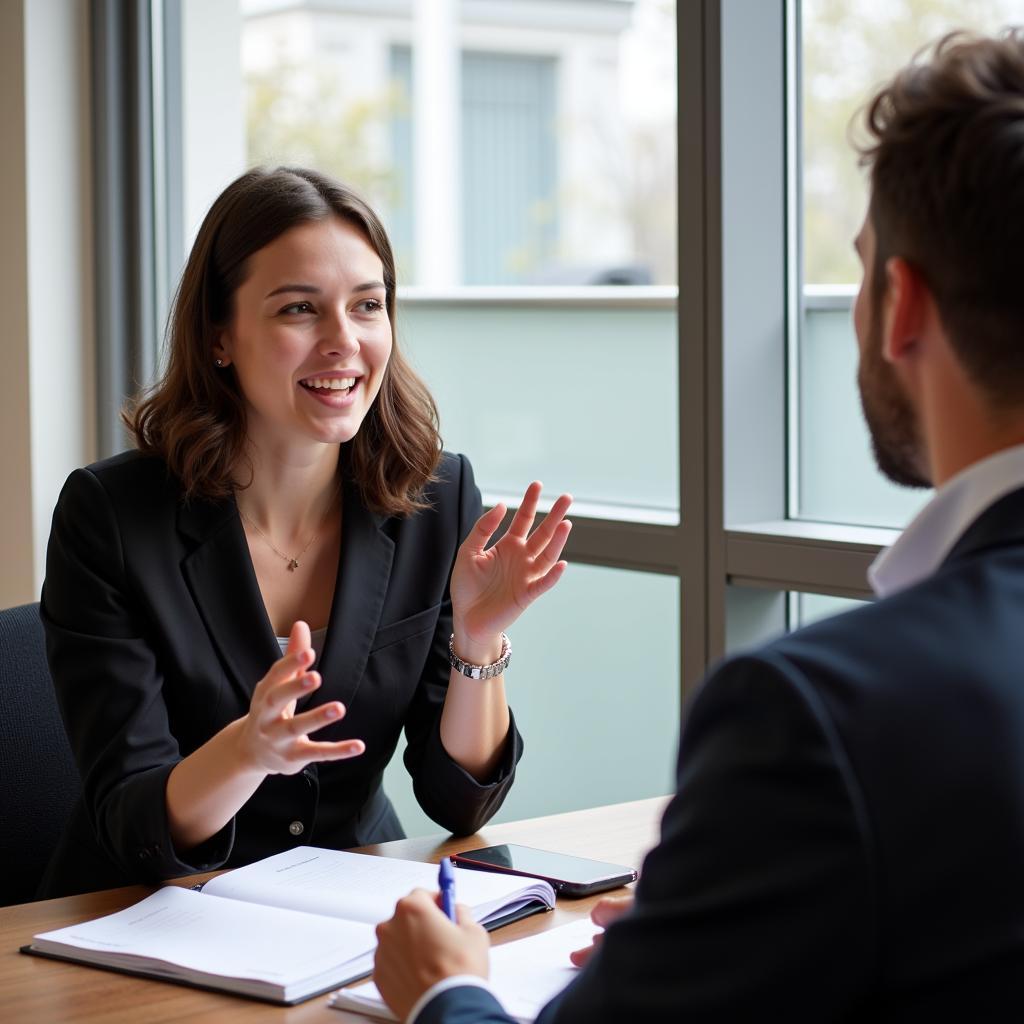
305, 116
849, 50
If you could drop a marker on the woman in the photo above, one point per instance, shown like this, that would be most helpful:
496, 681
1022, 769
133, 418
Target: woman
288, 475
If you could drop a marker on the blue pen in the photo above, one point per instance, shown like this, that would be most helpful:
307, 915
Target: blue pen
446, 882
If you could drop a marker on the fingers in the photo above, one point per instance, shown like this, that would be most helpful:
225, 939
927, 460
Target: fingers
579, 957
284, 670
341, 750
522, 521
483, 530
546, 582
542, 536
552, 551
299, 639
610, 909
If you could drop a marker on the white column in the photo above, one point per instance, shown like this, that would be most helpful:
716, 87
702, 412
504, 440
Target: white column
437, 146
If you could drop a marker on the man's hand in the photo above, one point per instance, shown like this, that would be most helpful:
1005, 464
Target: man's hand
611, 908
419, 947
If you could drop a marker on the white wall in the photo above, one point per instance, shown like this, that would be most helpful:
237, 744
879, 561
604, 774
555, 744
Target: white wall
47, 391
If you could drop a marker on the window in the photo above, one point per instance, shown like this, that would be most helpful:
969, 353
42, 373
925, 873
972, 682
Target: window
846, 50
522, 154
533, 143
525, 155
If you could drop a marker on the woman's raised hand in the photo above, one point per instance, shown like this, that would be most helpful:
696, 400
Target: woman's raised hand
491, 587
273, 738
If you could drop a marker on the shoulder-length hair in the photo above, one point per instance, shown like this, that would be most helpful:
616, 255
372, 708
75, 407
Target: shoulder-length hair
194, 416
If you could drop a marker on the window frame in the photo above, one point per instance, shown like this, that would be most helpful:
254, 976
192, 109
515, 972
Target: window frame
740, 304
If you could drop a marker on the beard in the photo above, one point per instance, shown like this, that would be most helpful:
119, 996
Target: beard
895, 434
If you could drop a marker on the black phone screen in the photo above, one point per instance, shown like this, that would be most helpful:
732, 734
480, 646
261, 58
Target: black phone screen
570, 875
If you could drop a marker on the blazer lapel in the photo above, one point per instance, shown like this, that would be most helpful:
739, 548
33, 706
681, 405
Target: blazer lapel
363, 572
222, 581
1000, 524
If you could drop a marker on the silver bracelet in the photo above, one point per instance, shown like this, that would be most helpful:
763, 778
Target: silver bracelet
481, 671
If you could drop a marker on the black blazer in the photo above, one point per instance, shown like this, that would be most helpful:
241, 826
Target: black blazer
157, 633
847, 839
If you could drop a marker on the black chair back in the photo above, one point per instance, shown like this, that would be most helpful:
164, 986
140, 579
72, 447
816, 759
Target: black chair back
38, 778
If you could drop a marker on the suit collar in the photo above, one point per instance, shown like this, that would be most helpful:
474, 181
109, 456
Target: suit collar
938, 528
1000, 524
223, 584
364, 570
222, 581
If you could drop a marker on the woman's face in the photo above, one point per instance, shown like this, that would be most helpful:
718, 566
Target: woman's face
309, 336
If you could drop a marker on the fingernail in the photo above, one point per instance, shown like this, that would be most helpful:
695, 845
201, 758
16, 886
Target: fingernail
308, 682
332, 711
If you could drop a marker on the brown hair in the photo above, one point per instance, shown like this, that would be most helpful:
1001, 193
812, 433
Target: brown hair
946, 158
194, 416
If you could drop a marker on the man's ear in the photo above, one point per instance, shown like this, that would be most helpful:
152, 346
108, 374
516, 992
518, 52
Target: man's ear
905, 309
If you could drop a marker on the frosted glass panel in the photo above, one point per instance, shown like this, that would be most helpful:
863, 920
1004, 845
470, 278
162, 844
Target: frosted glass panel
583, 399
812, 607
594, 685
838, 478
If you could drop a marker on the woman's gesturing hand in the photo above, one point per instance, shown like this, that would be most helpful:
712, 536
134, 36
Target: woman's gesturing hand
272, 737
491, 587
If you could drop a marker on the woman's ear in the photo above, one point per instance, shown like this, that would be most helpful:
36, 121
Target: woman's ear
221, 356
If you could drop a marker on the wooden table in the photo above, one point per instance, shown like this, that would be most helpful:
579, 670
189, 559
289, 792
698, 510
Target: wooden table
46, 991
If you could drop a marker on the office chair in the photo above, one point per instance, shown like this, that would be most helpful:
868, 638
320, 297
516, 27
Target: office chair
38, 778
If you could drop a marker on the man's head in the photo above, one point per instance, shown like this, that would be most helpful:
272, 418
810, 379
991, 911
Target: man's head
946, 159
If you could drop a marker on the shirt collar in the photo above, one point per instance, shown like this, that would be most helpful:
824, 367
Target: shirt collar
933, 532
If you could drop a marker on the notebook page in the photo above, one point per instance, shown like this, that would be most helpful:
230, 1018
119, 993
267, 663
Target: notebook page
525, 974
204, 935
358, 886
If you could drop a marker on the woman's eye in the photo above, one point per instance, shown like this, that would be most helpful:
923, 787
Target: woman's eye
371, 306
298, 307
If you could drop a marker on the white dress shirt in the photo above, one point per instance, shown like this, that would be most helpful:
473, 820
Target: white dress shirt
922, 546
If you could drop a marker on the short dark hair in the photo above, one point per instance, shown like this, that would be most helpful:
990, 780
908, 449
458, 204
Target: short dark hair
946, 159
194, 417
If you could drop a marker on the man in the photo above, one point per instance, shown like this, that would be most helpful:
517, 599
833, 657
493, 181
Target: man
847, 840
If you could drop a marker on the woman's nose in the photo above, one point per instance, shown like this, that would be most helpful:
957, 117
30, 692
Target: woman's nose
340, 337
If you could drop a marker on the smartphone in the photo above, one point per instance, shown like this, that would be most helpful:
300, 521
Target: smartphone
569, 876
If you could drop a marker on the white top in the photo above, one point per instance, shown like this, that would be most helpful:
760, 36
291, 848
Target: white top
922, 546
317, 636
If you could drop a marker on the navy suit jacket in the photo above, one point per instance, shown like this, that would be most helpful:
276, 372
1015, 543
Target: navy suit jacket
157, 633
847, 838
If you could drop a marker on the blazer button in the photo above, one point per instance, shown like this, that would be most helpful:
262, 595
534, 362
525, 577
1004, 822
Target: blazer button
296, 828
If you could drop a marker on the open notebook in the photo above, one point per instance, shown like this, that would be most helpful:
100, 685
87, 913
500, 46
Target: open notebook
283, 929
525, 974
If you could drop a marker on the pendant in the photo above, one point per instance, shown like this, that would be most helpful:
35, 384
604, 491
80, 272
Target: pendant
292, 565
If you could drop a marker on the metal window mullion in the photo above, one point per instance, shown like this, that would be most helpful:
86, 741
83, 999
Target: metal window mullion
699, 241
803, 564
123, 209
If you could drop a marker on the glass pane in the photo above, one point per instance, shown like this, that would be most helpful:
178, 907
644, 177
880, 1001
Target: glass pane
756, 616
848, 50
574, 675
812, 607
553, 161
557, 394
838, 480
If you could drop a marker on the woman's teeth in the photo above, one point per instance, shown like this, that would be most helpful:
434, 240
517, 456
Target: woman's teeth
330, 384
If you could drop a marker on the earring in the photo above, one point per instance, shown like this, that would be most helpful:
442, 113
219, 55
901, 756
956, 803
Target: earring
218, 363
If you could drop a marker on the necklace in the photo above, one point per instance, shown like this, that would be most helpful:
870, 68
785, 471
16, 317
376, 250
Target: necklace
292, 560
